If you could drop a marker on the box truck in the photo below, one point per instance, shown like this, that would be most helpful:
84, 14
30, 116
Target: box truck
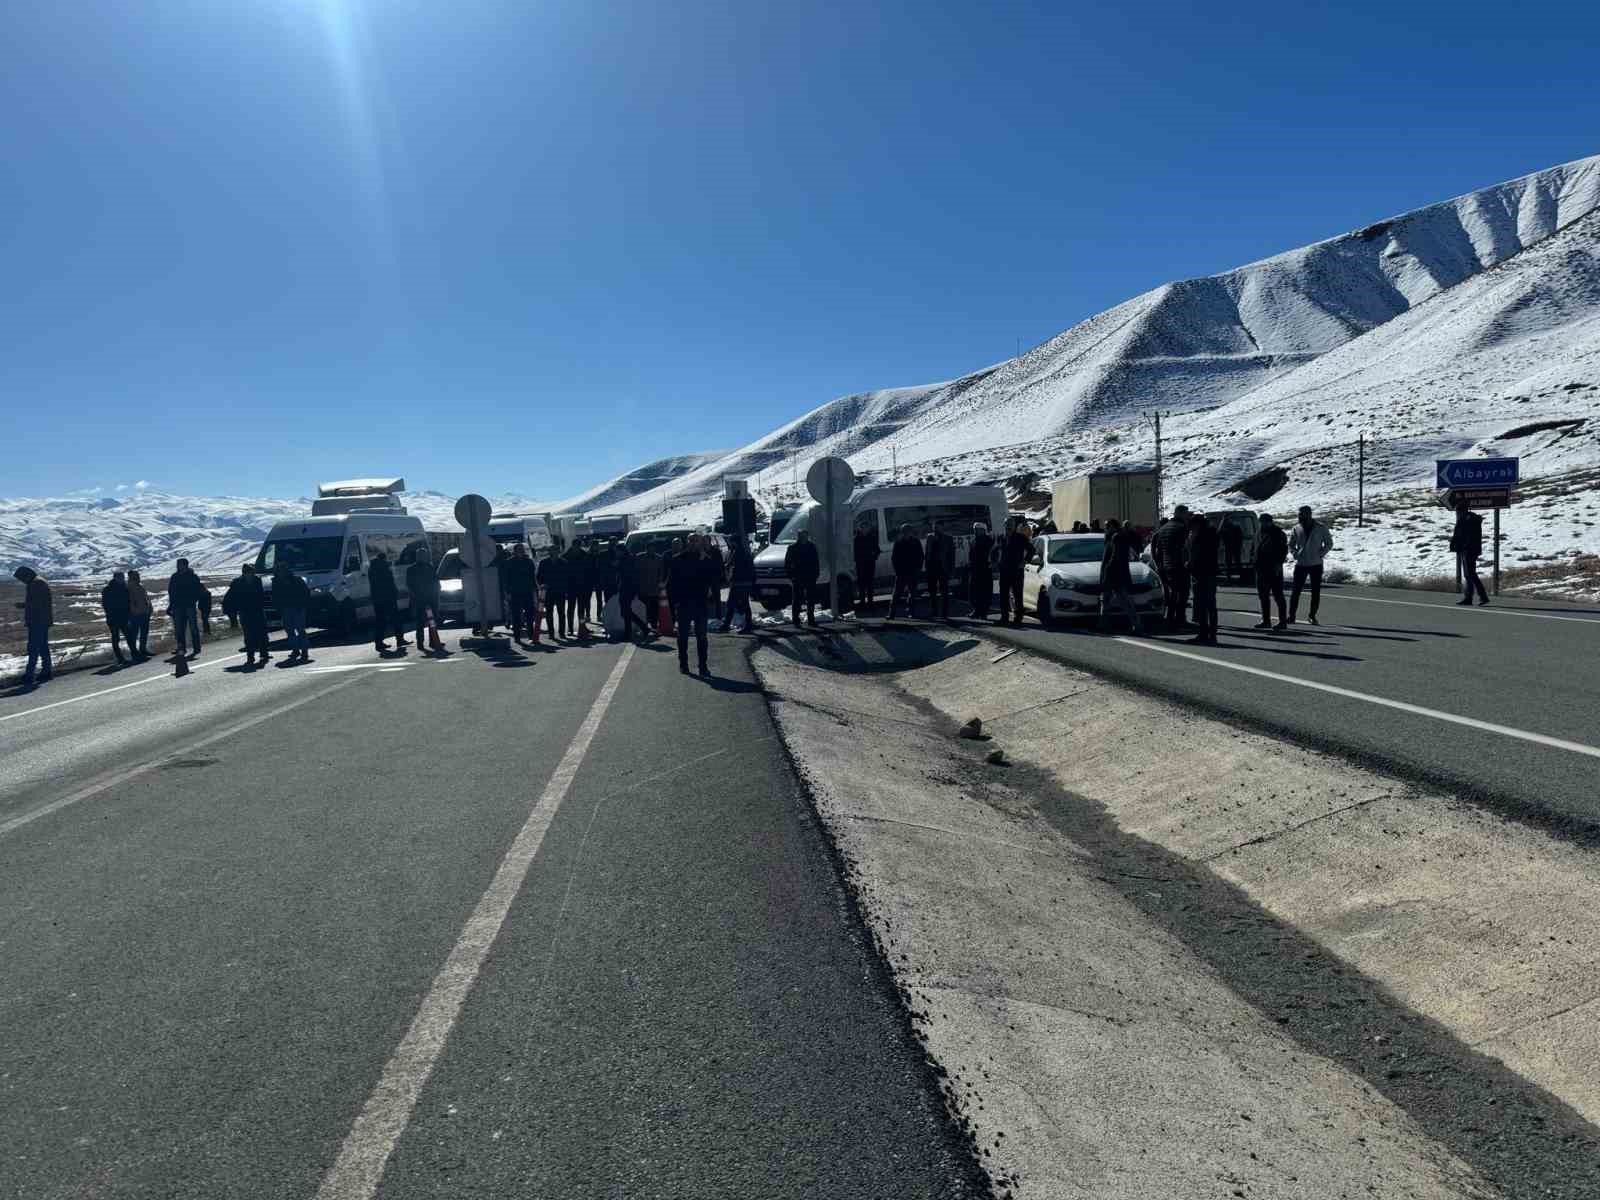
1126, 493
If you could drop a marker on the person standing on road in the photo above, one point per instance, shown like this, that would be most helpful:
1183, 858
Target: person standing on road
245, 602
1169, 550
939, 557
716, 573
741, 581
138, 616
1308, 546
1232, 535
628, 592
1202, 556
980, 570
580, 585
651, 568
605, 577
521, 583
803, 565
115, 603
424, 592
292, 596
865, 549
183, 604
38, 614
1116, 575
1015, 550
1467, 542
385, 603
552, 576
1272, 550
687, 589
907, 559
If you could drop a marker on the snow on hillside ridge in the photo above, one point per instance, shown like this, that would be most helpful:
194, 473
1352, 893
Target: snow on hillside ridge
1181, 347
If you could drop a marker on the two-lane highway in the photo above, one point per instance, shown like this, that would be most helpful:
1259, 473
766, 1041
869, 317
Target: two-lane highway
543, 923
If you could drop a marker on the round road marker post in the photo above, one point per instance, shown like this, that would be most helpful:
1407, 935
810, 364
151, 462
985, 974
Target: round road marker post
830, 481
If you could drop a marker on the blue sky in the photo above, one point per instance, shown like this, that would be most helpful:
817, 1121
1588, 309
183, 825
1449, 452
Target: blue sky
523, 246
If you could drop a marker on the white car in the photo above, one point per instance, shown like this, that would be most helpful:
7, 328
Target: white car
452, 602
1063, 578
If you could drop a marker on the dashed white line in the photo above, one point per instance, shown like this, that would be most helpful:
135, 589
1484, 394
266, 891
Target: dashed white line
1349, 693
357, 1172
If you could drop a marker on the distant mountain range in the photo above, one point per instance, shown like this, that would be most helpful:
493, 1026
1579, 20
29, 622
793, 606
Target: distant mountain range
1467, 327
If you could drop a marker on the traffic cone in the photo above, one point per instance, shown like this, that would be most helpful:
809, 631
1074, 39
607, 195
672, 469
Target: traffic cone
664, 618
434, 642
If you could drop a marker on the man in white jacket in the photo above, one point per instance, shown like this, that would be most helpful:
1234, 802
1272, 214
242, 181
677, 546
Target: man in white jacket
1309, 544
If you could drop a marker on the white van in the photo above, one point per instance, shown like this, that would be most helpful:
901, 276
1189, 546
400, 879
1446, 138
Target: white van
332, 554
924, 508
532, 532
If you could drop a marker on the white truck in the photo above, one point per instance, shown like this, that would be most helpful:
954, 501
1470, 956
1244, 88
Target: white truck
1126, 493
612, 525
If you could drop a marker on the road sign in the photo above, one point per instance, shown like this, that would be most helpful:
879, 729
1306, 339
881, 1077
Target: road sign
826, 471
472, 511
1478, 497
1475, 472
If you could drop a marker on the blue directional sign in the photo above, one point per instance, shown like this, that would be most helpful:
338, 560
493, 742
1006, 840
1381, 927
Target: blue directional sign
1476, 472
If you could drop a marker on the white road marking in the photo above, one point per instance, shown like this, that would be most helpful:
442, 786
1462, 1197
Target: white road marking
121, 777
1490, 609
358, 1170
372, 666
121, 687
1419, 710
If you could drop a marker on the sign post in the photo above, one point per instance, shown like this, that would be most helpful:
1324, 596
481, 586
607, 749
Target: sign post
830, 482
1478, 483
477, 552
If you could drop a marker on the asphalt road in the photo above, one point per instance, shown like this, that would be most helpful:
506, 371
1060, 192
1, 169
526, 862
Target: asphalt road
228, 901
1532, 668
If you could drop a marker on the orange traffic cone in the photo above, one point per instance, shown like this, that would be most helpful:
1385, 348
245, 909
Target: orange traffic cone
664, 618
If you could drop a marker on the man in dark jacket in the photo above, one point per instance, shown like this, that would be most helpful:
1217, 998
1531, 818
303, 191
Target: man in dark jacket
1116, 576
385, 602
1272, 550
114, 600
1016, 548
906, 557
552, 577
292, 597
38, 614
628, 592
803, 565
741, 582
866, 549
651, 567
183, 602
980, 570
1201, 551
939, 560
1232, 535
605, 576
1169, 551
1467, 542
716, 572
245, 602
424, 591
203, 605
687, 590
521, 582
580, 585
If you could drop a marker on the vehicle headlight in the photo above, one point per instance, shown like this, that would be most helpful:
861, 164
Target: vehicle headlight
1057, 581
449, 585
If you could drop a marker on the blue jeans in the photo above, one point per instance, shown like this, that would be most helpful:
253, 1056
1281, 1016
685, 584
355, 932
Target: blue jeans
38, 649
186, 620
294, 628
139, 633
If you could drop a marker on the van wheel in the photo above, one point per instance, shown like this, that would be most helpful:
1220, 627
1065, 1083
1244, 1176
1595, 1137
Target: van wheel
1042, 607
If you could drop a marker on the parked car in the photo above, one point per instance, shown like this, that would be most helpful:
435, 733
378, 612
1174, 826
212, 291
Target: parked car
452, 600
1063, 578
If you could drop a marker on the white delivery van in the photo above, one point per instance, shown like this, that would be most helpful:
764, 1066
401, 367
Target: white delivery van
886, 509
1126, 493
332, 553
532, 531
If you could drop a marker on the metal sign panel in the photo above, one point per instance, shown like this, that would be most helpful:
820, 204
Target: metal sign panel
1476, 472
1479, 497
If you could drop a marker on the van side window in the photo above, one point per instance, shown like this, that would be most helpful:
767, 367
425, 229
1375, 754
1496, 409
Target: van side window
955, 519
352, 555
409, 554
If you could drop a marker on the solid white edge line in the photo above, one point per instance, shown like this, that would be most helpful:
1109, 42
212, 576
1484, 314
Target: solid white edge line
1487, 609
1417, 709
358, 1170
121, 687
121, 777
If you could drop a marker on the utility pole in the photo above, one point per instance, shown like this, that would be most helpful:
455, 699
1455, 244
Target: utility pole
1361, 479
1156, 420
894, 458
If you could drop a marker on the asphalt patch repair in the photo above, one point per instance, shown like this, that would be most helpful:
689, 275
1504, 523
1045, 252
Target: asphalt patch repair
1146, 989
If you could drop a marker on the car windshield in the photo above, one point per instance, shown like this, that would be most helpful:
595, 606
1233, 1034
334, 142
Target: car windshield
449, 567
1073, 550
301, 555
801, 520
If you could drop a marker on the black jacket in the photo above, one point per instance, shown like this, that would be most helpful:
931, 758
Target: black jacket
114, 599
244, 599
866, 546
1120, 548
979, 553
1201, 550
1468, 536
183, 588
1272, 549
290, 591
940, 553
1169, 547
689, 581
380, 577
552, 575
424, 588
907, 555
1015, 550
605, 572
580, 570
627, 574
517, 574
802, 563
